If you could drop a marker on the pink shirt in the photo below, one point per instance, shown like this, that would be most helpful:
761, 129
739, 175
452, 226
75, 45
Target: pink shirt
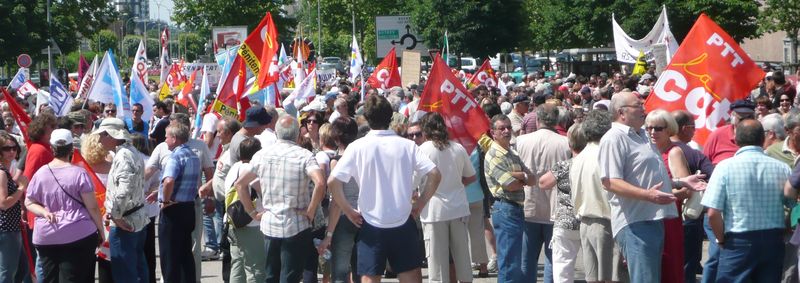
73, 220
721, 144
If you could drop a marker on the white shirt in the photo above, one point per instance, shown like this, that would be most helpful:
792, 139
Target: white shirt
209, 127
334, 116
450, 200
267, 137
383, 164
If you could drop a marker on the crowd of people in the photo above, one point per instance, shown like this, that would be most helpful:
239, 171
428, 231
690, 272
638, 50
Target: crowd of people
352, 187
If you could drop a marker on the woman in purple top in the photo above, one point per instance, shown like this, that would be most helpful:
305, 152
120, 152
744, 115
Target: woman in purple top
10, 212
67, 216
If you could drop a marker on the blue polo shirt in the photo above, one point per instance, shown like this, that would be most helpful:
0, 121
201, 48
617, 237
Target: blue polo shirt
184, 167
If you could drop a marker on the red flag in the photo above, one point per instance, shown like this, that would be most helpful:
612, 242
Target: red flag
185, 96
164, 37
22, 118
269, 49
83, 67
251, 49
386, 75
228, 95
708, 72
176, 76
444, 93
99, 188
484, 76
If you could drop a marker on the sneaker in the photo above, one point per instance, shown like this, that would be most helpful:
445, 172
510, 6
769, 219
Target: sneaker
209, 254
476, 266
492, 265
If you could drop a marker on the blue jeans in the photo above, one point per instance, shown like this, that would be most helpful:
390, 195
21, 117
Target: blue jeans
755, 256
710, 268
212, 226
537, 235
10, 259
342, 250
128, 263
642, 244
508, 221
692, 248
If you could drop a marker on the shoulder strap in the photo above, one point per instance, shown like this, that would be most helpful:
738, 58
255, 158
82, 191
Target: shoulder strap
62, 187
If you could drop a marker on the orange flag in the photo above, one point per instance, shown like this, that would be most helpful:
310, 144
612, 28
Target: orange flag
386, 74
228, 94
185, 96
708, 73
251, 49
269, 49
444, 93
99, 188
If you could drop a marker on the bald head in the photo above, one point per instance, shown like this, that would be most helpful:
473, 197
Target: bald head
626, 109
287, 128
749, 132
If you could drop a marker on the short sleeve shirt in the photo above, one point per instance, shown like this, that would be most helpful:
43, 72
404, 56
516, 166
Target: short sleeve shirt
383, 164
628, 154
498, 165
74, 222
184, 167
450, 200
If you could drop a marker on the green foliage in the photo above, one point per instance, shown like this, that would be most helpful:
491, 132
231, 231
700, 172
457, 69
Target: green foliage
556, 25
476, 28
781, 15
104, 40
71, 59
193, 44
25, 29
201, 15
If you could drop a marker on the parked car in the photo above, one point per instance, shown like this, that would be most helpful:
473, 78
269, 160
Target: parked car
468, 64
333, 62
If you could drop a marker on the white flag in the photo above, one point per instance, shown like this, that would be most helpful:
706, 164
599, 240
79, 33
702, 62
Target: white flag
355, 61
88, 79
140, 62
26, 88
60, 100
205, 89
19, 79
298, 68
307, 88
140, 95
108, 86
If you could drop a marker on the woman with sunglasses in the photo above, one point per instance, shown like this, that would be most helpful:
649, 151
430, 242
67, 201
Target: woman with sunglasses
660, 125
10, 212
785, 104
309, 138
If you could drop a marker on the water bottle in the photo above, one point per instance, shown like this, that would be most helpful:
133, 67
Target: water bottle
327, 254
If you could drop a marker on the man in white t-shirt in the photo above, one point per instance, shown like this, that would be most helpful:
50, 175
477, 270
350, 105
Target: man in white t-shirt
383, 164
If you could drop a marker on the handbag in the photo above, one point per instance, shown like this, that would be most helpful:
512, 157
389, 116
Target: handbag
234, 208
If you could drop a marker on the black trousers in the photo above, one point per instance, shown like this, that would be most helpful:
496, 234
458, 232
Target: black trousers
175, 242
150, 249
72, 262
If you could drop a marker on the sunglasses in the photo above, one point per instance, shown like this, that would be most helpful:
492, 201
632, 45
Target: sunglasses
655, 129
9, 148
789, 100
111, 111
311, 121
414, 135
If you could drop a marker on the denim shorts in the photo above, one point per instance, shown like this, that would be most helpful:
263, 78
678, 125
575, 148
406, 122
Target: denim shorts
398, 245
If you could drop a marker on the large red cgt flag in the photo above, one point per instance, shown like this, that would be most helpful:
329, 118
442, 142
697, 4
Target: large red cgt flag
484, 76
444, 93
251, 49
708, 72
268, 74
386, 75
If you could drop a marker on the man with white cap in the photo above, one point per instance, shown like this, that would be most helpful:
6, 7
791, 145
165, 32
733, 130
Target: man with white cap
124, 200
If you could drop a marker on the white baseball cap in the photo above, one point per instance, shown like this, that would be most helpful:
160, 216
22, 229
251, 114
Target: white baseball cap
61, 135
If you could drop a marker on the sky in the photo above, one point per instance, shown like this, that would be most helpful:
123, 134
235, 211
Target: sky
163, 12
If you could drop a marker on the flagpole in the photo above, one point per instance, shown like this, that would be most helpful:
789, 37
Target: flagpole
49, 43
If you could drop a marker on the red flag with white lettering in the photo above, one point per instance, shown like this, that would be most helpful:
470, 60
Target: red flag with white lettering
708, 72
444, 93
386, 75
484, 76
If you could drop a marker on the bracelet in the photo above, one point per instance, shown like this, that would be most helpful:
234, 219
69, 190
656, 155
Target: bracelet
328, 234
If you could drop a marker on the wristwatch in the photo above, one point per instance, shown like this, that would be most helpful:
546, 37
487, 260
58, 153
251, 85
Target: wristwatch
328, 234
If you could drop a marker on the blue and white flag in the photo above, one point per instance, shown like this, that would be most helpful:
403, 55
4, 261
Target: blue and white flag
139, 94
355, 61
225, 60
19, 78
108, 86
60, 100
205, 89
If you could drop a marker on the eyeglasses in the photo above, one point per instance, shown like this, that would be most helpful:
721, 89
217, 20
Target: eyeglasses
9, 148
311, 121
786, 99
110, 111
655, 129
414, 135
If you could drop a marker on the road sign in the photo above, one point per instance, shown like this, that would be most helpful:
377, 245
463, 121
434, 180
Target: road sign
397, 31
24, 60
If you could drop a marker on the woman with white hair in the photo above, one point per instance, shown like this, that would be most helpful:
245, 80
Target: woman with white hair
660, 125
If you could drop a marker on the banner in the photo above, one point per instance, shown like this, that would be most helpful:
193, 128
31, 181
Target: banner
411, 67
227, 37
444, 93
140, 62
628, 48
707, 74
386, 75
484, 76
269, 50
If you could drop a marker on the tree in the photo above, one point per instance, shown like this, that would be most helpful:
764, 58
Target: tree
25, 28
192, 44
104, 40
586, 23
200, 15
476, 28
781, 15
